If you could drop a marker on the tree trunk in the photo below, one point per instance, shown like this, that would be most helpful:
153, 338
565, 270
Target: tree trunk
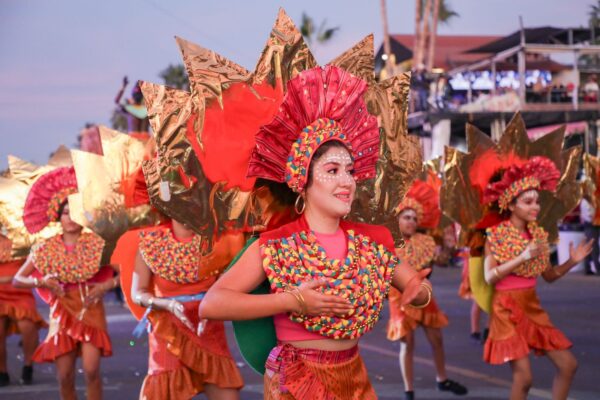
387, 48
433, 35
417, 38
426, 31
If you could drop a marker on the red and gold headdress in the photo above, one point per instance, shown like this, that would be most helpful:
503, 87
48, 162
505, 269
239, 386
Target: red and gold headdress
423, 198
539, 173
469, 191
46, 196
15, 186
321, 104
209, 152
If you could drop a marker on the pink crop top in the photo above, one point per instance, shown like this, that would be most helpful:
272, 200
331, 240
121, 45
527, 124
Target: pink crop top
511, 281
336, 248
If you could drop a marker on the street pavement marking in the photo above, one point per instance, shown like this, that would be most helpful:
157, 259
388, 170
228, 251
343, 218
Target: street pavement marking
544, 394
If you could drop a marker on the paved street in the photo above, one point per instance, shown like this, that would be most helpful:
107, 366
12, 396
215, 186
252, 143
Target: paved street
573, 304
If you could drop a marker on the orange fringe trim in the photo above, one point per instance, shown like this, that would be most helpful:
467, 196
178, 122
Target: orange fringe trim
68, 334
527, 335
410, 318
199, 365
14, 314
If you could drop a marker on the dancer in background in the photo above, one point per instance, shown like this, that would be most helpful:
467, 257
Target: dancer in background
419, 209
18, 315
66, 270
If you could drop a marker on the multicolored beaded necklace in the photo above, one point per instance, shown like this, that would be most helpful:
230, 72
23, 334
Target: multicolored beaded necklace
51, 257
507, 243
418, 251
363, 278
171, 259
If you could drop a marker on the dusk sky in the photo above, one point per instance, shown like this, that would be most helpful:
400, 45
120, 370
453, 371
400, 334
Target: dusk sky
62, 62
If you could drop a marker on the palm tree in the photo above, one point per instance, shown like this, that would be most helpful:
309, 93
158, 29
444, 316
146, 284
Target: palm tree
176, 77
321, 35
426, 30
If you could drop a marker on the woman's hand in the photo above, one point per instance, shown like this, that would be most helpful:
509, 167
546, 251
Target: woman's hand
533, 250
97, 293
322, 304
577, 254
178, 310
50, 282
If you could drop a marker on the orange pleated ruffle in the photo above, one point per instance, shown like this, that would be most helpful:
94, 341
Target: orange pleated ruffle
323, 380
518, 324
67, 331
17, 305
410, 318
181, 362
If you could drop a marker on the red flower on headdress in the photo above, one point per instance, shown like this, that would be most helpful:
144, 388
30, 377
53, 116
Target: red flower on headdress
46, 196
538, 173
321, 104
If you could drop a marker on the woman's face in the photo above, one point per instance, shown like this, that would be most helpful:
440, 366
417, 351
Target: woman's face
68, 225
407, 222
331, 191
527, 206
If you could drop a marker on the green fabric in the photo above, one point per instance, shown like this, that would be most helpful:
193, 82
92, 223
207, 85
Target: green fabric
256, 337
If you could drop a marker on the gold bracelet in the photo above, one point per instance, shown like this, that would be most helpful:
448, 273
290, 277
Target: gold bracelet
497, 273
299, 298
36, 282
429, 296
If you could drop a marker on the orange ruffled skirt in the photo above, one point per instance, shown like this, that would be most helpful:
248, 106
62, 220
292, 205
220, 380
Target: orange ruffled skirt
17, 304
69, 327
409, 318
518, 324
294, 373
181, 362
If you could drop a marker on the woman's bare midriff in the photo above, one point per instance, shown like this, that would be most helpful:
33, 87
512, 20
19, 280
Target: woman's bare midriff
324, 344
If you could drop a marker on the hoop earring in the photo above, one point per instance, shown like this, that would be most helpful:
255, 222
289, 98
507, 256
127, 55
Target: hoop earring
301, 210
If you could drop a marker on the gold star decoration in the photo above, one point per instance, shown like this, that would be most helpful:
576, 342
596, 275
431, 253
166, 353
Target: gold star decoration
180, 178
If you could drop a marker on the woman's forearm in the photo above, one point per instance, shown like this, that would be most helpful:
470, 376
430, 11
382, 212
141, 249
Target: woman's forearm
553, 274
25, 282
229, 305
493, 274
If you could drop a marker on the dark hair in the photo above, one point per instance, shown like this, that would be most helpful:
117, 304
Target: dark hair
332, 144
280, 191
61, 208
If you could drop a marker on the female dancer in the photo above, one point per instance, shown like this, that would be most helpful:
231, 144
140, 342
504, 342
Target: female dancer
420, 208
516, 253
18, 314
328, 277
171, 277
68, 267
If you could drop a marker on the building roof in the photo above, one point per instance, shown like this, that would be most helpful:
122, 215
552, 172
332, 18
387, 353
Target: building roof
449, 49
541, 35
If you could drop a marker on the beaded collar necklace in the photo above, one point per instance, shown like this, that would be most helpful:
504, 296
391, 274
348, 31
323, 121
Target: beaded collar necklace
171, 259
418, 251
79, 265
507, 242
362, 277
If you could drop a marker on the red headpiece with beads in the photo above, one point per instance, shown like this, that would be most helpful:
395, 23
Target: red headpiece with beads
424, 198
321, 104
538, 173
46, 196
